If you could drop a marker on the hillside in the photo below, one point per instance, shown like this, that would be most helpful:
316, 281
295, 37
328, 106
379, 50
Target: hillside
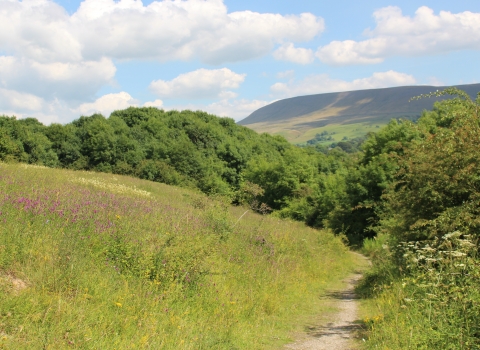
343, 114
102, 261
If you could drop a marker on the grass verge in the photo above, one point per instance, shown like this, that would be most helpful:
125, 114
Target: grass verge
432, 301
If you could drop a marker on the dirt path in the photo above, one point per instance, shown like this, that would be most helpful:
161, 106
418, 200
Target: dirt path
337, 332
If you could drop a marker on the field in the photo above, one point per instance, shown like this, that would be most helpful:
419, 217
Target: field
301, 129
96, 261
340, 132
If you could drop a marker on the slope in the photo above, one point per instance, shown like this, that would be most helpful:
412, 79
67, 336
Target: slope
343, 114
101, 261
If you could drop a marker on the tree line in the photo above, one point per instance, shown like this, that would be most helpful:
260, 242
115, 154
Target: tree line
409, 177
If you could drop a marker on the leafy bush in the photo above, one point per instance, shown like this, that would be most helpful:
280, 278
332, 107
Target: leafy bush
435, 305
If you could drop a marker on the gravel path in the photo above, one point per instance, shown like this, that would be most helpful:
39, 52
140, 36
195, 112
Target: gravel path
338, 334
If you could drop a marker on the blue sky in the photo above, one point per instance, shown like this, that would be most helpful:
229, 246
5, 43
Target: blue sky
65, 58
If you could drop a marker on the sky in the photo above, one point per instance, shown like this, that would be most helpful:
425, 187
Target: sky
63, 59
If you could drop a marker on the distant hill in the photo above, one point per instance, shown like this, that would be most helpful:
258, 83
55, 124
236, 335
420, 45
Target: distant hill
343, 114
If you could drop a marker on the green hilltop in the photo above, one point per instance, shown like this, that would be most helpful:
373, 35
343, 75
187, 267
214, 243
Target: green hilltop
343, 115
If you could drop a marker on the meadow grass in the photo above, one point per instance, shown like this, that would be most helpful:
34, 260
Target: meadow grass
432, 302
97, 261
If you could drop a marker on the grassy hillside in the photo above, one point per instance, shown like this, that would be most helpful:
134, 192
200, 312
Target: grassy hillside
101, 261
349, 114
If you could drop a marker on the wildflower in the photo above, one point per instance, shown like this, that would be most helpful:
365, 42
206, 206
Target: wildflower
466, 244
118, 304
453, 234
457, 254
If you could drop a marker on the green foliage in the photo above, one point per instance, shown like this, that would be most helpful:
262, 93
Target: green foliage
438, 185
192, 149
435, 303
426, 286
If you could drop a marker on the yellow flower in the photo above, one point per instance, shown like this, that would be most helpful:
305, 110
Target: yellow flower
118, 304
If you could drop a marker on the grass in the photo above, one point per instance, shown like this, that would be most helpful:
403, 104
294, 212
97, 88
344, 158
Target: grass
298, 133
96, 261
340, 132
432, 302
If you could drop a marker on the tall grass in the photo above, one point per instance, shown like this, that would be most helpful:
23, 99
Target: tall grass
431, 301
95, 261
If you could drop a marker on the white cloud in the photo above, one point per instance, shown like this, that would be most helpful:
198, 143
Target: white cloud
399, 35
201, 83
19, 101
236, 109
107, 104
288, 52
322, 83
64, 60
163, 30
70, 81
23, 105
58, 61
38, 29
156, 103
53, 111
352, 52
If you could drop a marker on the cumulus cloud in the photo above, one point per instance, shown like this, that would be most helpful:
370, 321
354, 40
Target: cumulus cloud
236, 109
19, 101
107, 104
288, 52
40, 30
201, 83
163, 30
397, 35
322, 83
70, 81
24, 105
156, 104
59, 60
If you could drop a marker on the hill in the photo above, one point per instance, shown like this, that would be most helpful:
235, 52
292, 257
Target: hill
343, 114
101, 261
